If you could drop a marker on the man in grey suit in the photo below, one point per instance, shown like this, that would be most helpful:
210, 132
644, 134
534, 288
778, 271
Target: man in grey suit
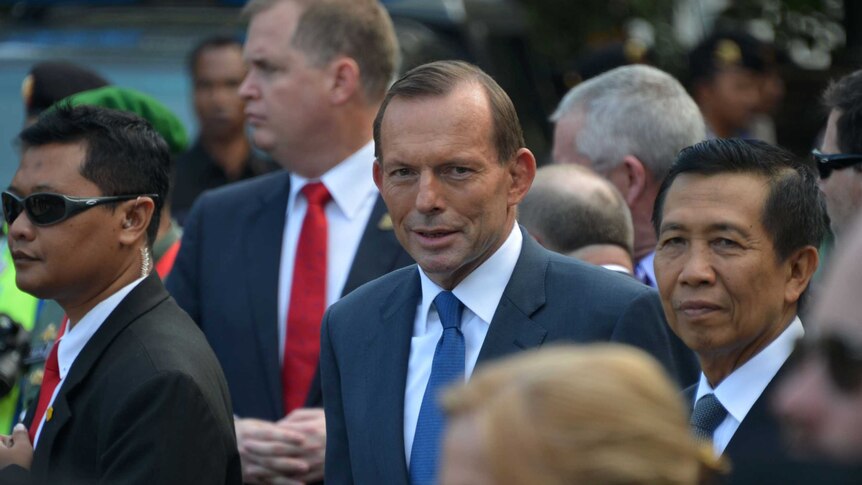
452, 167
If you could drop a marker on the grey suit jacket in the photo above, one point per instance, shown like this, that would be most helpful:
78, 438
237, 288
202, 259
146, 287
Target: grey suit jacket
366, 345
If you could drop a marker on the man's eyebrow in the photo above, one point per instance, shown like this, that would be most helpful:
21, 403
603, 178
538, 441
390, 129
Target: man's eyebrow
715, 227
727, 227
671, 226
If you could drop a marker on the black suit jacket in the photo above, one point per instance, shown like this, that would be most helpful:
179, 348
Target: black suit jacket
226, 277
758, 455
145, 402
366, 345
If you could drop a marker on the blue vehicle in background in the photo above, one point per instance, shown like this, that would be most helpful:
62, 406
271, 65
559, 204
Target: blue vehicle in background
143, 45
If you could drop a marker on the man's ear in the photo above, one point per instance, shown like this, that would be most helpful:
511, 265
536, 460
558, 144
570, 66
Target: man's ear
135, 219
801, 268
522, 170
344, 80
631, 177
377, 174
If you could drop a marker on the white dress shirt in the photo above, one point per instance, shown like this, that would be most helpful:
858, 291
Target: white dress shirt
76, 337
353, 196
480, 292
740, 390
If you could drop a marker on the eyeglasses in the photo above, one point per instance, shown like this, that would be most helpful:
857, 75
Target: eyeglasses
45, 209
843, 361
827, 163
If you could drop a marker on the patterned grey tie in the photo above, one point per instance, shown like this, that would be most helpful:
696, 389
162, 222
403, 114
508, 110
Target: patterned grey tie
708, 414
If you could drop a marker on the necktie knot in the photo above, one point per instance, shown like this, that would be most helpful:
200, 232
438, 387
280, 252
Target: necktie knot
707, 416
316, 194
449, 308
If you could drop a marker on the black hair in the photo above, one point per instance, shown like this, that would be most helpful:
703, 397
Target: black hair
845, 95
794, 213
124, 154
208, 43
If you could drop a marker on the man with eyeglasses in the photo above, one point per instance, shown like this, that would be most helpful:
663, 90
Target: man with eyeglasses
820, 401
839, 159
738, 225
131, 392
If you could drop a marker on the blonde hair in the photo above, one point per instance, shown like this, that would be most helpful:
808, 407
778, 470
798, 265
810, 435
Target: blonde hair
600, 414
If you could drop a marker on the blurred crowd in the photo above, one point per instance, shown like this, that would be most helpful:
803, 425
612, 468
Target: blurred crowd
355, 275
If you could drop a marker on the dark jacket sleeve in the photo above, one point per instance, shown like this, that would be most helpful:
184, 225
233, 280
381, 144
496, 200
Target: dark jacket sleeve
642, 324
182, 282
338, 466
154, 427
14, 475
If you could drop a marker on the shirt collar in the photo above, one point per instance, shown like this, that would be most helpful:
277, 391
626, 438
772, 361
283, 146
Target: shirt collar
740, 390
645, 268
481, 290
350, 182
76, 337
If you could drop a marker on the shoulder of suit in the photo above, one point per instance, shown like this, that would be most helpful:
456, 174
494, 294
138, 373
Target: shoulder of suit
377, 289
566, 270
244, 190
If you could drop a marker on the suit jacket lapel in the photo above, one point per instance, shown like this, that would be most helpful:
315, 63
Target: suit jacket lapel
388, 350
512, 328
377, 252
141, 299
264, 231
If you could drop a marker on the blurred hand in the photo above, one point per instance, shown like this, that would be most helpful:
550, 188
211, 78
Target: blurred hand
311, 423
270, 453
16, 449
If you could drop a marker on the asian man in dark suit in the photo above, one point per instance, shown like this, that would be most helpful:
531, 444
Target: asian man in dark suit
262, 259
451, 167
132, 393
739, 223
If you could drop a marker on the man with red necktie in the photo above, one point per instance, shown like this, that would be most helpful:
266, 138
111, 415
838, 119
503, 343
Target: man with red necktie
262, 259
83, 211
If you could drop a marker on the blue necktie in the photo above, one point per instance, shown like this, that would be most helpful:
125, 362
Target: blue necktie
708, 414
446, 368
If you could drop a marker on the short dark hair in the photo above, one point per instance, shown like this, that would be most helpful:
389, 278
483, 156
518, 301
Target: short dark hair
570, 207
794, 212
359, 29
124, 154
845, 95
213, 42
440, 78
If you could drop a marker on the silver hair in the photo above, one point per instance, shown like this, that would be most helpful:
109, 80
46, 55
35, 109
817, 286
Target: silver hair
633, 110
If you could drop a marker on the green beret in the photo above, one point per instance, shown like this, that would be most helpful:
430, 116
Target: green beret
143, 105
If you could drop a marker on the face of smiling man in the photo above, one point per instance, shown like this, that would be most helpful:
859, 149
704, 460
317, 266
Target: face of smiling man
725, 291
451, 200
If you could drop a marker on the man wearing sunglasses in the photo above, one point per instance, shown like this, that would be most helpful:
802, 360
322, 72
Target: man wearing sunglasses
839, 158
820, 401
738, 224
83, 212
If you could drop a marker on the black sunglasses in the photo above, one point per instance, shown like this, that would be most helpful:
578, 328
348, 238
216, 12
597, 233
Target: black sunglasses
827, 163
843, 361
45, 208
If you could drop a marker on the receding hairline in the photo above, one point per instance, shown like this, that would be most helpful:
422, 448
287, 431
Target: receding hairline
450, 90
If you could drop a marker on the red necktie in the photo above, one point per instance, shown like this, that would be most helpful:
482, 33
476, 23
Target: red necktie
50, 379
307, 300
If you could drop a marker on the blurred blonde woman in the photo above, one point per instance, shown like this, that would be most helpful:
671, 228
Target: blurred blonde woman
598, 414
